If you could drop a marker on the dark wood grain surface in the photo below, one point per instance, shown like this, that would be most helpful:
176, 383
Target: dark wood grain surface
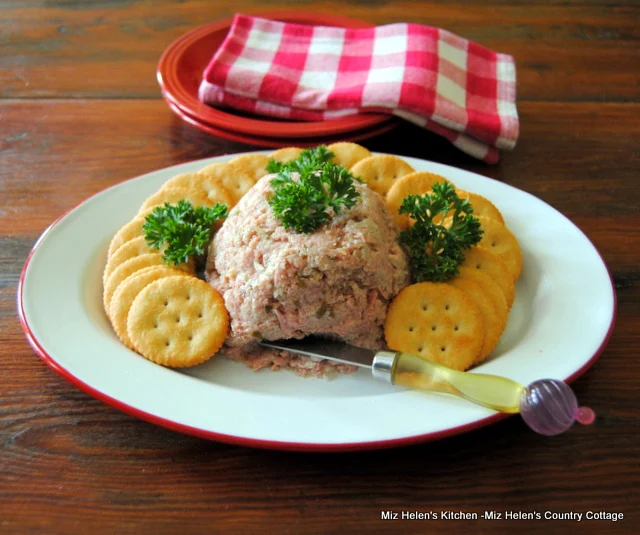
80, 110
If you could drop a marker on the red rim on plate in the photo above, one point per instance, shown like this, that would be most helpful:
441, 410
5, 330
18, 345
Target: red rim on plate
51, 361
354, 136
256, 443
265, 444
180, 71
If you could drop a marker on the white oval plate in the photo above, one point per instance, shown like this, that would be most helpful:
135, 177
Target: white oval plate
560, 322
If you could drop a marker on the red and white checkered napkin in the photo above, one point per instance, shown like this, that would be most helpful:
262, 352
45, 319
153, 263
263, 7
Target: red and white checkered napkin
431, 77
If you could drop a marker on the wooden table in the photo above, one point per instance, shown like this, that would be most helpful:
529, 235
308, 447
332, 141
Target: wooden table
80, 110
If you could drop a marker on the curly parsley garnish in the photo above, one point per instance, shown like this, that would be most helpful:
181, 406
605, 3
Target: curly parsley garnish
182, 230
443, 228
308, 187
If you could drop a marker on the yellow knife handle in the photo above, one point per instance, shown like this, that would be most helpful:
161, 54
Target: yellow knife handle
414, 372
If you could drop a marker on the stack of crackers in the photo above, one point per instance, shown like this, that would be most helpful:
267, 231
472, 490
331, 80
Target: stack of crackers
167, 314
173, 318
457, 323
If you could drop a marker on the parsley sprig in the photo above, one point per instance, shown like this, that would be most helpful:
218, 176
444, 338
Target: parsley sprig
444, 226
182, 230
307, 188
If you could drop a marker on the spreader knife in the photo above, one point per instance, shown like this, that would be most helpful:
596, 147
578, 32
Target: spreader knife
548, 406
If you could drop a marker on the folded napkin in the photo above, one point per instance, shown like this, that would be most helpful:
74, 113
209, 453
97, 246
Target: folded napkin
429, 76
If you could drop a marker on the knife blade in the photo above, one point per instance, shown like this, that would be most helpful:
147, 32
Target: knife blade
324, 348
412, 371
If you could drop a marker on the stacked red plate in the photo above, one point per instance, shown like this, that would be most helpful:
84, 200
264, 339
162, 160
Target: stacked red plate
180, 73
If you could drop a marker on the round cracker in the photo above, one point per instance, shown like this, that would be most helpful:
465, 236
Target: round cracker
144, 213
493, 322
491, 264
211, 187
236, 185
134, 247
210, 171
380, 172
482, 207
178, 321
125, 270
417, 183
437, 322
127, 291
286, 154
187, 181
490, 286
253, 165
240, 174
174, 194
129, 267
131, 230
498, 239
346, 154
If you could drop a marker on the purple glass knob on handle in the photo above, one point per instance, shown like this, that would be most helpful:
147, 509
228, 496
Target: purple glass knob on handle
549, 407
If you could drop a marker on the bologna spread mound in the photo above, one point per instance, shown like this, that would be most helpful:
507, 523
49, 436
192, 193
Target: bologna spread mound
278, 283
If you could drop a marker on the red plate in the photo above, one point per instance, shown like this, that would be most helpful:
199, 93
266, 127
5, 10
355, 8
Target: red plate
279, 142
183, 62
